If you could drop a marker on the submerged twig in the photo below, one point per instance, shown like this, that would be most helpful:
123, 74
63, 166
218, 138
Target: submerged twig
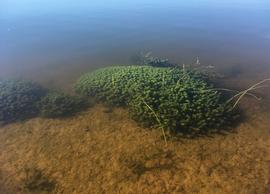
183, 67
113, 81
158, 120
198, 61
245, 92
239, 92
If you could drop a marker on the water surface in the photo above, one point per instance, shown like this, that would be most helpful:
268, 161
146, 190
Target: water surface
54, 42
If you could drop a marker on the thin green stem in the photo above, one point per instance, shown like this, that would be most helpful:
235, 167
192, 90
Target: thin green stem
158, 120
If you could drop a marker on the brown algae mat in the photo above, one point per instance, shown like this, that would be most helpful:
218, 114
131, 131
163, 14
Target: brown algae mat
105, 152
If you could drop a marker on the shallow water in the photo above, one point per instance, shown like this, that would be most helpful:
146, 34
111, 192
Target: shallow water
101, 151
54, 43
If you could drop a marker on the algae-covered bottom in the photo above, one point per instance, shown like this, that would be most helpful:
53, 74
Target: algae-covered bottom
105, 152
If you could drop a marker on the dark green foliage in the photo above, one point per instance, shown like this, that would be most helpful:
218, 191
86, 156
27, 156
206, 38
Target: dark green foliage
18, 99
182, 100
110, 85
35, 181
190, 105
60, 105
117, 85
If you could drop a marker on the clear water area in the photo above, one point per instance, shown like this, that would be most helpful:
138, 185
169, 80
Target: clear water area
54, 43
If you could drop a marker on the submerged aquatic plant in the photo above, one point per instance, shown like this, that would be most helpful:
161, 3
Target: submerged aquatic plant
172, 98
147, 59
18, 99
56, 104
188, 106
35, 181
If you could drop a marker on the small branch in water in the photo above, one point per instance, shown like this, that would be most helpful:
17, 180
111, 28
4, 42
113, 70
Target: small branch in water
245, 92
183, 67
229, 90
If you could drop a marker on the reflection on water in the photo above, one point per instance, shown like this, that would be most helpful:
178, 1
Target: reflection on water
54, 43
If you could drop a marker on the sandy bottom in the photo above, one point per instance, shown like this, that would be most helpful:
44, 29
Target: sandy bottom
99, 152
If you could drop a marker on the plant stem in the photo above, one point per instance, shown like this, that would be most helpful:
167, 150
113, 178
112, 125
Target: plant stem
158, 120
244, 92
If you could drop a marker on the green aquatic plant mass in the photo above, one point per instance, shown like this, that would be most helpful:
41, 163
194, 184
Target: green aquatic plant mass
180, 100
18, 99
56, 104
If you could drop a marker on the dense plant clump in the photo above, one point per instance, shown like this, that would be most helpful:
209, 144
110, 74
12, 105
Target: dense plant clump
117, 85
190, 105
108, 85
18, 99
60, 105
178, 99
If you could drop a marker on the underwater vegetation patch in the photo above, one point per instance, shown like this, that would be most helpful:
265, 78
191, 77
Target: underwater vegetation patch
35, 181
56, 104
18, 99
175, 99
147, 59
